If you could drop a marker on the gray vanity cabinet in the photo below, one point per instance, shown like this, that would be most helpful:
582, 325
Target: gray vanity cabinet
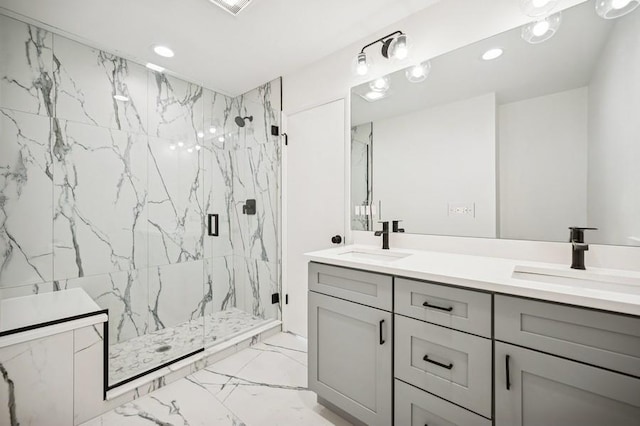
536, 389
350, 349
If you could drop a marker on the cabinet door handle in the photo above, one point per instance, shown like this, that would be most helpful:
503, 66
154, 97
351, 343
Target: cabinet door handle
439, 364
507, 358
427, 305
381, 338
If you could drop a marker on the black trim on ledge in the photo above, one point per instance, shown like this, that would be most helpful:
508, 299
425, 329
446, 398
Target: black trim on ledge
53, 322
144, 373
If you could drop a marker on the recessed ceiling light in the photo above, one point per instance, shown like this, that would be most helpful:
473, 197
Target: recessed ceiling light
232, 6
212, 130
121, 98
180, 144
163, 51
155, 67
201, 134
172, 147
198, 147
221, 139
492, 54
189, 150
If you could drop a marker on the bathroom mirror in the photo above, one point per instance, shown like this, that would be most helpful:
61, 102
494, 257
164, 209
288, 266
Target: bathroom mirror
543, 137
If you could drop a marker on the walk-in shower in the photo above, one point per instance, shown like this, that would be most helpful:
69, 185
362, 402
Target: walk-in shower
108, 180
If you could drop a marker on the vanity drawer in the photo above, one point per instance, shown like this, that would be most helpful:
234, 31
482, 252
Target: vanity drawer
414, 407
450, 364
362, 287
599, 338
465, 310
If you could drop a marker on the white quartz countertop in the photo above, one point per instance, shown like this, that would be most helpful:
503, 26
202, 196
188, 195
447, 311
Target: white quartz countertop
44, 308
497, 275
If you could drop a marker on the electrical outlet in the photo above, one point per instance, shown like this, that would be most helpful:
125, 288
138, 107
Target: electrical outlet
462, 209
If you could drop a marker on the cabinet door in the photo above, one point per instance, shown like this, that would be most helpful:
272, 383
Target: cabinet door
350, 348
545, 390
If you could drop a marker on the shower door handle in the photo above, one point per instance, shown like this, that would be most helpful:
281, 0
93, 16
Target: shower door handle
212, 224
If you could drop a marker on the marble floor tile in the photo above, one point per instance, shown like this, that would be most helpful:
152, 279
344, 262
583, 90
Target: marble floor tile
265, 384
180, 403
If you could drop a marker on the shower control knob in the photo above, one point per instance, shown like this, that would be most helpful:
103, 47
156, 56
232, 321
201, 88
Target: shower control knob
336, 239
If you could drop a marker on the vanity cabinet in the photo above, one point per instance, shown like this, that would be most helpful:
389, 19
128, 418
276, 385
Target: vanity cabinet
465, 357
578, 371
350, 344
536, 389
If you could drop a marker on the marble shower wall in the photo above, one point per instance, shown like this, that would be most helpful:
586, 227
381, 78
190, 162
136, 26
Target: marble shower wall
112, 196
256, 243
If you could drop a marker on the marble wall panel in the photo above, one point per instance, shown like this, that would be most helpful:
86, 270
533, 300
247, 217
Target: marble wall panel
125, 294
36, 382
25, 199
258, 280
218, 172
26, 68
100, 197
87, 80
176, 203
88, 377
176, 294
176, 109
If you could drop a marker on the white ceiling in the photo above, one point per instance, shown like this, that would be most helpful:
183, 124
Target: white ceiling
524, 71
229, 54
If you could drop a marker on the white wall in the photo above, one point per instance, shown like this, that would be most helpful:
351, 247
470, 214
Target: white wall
542, 162
425, 160
445, 26
614, 126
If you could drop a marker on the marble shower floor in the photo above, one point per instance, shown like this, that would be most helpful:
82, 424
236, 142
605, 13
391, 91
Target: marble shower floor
140, 354
265, 384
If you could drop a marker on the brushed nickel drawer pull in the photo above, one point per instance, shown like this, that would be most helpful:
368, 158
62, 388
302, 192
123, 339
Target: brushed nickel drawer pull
439, 364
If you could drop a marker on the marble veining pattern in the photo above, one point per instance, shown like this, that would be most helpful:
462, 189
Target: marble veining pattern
265, 384
92, 194
134, 355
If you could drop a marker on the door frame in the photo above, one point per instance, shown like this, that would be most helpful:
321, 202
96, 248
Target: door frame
348, 235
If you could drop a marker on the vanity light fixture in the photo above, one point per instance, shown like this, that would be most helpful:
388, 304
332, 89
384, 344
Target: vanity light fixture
232, 6
121, 98
155, 67
611, 9
163, 51
537, 8
542, 29
419, 72
394, 45
492, 54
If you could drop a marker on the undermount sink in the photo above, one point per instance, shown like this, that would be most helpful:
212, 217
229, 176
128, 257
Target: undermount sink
380, 256
592, 279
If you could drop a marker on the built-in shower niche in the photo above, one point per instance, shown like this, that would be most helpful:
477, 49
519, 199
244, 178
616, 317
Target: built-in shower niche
119, 189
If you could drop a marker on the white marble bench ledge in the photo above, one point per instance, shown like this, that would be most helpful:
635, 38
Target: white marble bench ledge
40, 315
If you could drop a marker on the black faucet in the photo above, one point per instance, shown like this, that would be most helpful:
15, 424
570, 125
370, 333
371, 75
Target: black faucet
396, 224
385, 235
578, 246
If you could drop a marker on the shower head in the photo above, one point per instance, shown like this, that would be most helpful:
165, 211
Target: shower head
240, 121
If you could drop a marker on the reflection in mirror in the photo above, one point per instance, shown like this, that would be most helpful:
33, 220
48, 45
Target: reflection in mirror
543, 137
